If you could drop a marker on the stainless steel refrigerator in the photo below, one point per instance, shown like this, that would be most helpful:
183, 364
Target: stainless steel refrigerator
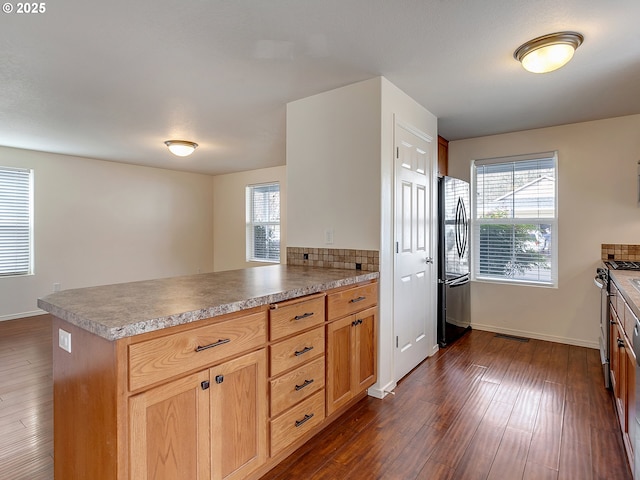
454, 316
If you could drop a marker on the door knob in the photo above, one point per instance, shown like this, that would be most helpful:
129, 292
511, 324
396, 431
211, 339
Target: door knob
428, 260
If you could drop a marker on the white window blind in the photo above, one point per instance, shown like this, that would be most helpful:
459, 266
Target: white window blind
515, 225
263, 222
15, 221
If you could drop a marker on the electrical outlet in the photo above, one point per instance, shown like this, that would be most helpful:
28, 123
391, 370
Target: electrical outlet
64, 340
56, 287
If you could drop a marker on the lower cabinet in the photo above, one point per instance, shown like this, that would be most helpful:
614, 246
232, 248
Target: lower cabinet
297, 360
223, 399
209, 425
351, 357
623, 372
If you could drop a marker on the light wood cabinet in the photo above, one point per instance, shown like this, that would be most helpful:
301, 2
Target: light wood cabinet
159, 403
295, 351
443, 156
170, 430
296, 422
294, 316
158, 359
176, 428
351, 346
297, 369
238, 416
224, 398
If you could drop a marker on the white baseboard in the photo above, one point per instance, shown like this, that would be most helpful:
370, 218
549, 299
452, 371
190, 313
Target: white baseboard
537, 336
22, 315
381, 392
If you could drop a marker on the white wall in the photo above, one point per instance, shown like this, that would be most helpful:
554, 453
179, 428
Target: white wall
399, 107
229, 214
340, 176
597, 190
333, 168
99, 222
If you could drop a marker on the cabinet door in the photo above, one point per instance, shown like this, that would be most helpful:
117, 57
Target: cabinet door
630, 409
366, 341
238, 416
620, 390
339, 362
613, 354
169, 431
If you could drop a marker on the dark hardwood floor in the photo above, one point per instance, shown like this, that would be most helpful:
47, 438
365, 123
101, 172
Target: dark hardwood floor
484, 408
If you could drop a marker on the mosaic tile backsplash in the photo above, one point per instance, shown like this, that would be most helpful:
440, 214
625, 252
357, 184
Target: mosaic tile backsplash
365, 260
613, 251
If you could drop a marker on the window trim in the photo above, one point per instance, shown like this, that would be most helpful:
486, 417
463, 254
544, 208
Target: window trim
29, 270
250, 224
553, 222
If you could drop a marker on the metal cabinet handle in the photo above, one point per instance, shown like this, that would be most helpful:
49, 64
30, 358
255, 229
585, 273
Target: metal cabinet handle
303, 351
211, 345
301, 317
359, 299
620, 343
305, 384
306, 418
355, 323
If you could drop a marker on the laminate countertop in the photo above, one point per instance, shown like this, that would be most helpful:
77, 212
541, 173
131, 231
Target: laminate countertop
622, 279
127, 309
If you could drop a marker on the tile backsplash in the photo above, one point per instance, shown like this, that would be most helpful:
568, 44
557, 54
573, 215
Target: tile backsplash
365, 260
614, 251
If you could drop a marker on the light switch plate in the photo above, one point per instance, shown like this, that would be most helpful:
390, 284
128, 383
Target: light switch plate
328, 236
64, 340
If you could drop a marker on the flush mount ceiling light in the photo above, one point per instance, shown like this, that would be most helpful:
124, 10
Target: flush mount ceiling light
181, 148
549, 52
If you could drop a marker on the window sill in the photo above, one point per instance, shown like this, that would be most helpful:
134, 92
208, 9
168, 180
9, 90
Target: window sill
518, 283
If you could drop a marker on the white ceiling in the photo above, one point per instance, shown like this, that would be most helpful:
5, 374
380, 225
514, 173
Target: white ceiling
113, 79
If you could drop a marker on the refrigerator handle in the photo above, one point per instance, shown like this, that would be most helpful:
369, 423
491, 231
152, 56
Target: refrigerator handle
459, 281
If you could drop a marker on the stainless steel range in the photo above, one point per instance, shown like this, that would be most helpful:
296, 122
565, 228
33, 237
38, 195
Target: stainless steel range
602, 282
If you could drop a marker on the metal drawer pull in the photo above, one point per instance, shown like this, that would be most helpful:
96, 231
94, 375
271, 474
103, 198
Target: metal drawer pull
303, 351
211, 345
301, 317
620, 343
359, 299
305, 384
306, 418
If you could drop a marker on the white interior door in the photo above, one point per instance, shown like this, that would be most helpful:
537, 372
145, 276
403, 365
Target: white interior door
414, 275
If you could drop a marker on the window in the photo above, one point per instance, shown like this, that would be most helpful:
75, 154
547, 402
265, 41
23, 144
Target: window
515, 224
15, 221
263, 222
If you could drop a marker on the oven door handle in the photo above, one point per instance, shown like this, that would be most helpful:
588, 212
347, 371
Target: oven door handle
598, 282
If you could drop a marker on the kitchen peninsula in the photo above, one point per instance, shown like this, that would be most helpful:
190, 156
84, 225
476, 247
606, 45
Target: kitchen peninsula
218, 375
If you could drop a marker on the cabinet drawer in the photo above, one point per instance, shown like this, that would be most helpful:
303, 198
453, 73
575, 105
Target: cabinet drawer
295, 386
289, 427
165, 357
295, 351
346, 302
296, 315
